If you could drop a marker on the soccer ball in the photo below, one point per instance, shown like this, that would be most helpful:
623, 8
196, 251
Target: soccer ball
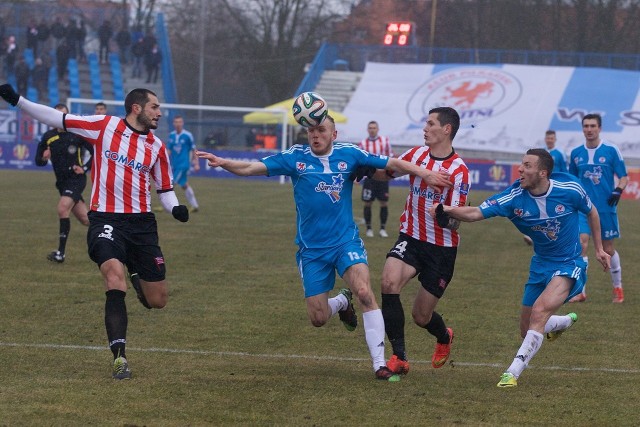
309, 109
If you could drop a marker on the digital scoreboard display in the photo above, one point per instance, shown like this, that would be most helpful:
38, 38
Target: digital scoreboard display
398, 34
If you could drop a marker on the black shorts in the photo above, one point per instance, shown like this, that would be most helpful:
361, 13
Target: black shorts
72, 187
372, 190
130, 238
433, 263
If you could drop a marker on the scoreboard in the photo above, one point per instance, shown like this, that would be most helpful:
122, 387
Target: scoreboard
399, 33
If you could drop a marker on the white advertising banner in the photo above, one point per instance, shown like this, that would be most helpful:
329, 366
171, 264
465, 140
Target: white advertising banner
503, 107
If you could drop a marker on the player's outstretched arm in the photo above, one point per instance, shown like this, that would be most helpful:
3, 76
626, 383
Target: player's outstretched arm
42, 113
435, 179
236, 167
461, 213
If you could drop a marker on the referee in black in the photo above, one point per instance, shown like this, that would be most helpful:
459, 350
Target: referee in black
71, 157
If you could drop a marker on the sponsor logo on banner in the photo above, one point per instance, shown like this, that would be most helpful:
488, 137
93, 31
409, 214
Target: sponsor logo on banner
477, 93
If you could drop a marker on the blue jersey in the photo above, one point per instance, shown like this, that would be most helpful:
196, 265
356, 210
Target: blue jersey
181, 144
559, 161
595, 168
551, 220
322, 191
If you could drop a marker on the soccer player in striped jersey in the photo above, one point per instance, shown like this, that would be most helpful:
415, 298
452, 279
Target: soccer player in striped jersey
545, 207
425, 248
122, 227
373, 189
597, 163
327, 237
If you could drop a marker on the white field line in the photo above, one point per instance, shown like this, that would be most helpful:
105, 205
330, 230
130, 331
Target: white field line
300, 356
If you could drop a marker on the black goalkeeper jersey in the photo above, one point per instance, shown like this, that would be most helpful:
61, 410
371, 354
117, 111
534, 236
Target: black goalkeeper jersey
67, 150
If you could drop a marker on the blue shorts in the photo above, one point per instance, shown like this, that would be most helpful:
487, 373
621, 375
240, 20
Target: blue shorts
609, 228
318, 267
180, 176
541, 273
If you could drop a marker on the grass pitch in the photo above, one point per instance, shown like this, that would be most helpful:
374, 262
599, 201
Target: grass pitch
234, 346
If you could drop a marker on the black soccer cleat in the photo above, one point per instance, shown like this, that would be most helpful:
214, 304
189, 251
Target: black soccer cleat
56, 256
135, 281
348, 315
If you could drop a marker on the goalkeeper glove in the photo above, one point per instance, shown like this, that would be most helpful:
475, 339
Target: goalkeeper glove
9, 94
444, 220
181, 213
614, 198
362, 171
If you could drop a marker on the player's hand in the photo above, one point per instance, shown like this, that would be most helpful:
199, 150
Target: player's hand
604, 259
181, 213
9, 94
437, 179
444, 220
614, 198
362, 171
46, 154
212, 160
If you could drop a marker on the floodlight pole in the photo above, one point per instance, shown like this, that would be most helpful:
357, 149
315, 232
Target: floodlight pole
201, 74
432, 31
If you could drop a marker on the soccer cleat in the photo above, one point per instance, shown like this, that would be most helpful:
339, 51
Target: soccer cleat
369, 233
508, 380
581, 297
441, 354
618, 295
348, 316
398, 366
56, 256
385, 374
552, 336
135, 281
383, 233
121, 369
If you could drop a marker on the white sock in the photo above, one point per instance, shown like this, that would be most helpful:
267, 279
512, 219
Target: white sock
374, 335
337, 303
557, 323
616, 270
530, 346
191, 197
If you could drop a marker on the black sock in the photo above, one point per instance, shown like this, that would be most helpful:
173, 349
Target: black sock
384, 214
438, 329
115, 320
367, 216
393, 316
65, 227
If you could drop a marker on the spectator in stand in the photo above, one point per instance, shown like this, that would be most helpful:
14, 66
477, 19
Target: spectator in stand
32, 37
105, 32
22, 73
79, 36
40, 79
153, 61
123, 40
43, 36
62, 59
138, 53
58, 31
11, 53
70, 37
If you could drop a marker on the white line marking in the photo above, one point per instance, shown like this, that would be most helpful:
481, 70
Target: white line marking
300, 356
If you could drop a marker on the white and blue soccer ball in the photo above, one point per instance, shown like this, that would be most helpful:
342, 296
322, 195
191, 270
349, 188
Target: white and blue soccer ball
310, 109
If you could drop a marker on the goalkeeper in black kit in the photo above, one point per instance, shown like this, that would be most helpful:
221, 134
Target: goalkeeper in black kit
70, 156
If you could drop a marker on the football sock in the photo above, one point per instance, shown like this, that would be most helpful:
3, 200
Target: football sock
438, 329
367, 216
374, 335
530, 346
337, 303
384, 214
191, 197
557, 323
393, 315
115, 320
616, 270
65, 227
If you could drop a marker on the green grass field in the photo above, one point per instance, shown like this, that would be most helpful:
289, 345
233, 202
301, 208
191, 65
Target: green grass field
234, 346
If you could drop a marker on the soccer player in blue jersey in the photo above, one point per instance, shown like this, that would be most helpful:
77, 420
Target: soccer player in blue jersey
546, 208
597, 163
182, 149
321, 173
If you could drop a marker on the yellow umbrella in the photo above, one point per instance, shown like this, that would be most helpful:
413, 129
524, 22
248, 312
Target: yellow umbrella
266, 118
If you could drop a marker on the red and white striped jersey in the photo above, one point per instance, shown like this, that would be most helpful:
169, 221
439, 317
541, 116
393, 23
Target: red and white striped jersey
124, 162
380, 146
415, 220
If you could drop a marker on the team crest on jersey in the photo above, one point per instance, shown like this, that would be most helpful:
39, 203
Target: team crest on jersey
551, 229
332, 190
560, 209
602, 160
594, 175
301, 166
518, 212
342, 166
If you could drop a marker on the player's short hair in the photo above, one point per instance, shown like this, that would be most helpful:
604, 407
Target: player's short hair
331, 119
597, 117
545, 161
372, 122
137, 96
448, 116
550, 132
101, 104
61, 105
